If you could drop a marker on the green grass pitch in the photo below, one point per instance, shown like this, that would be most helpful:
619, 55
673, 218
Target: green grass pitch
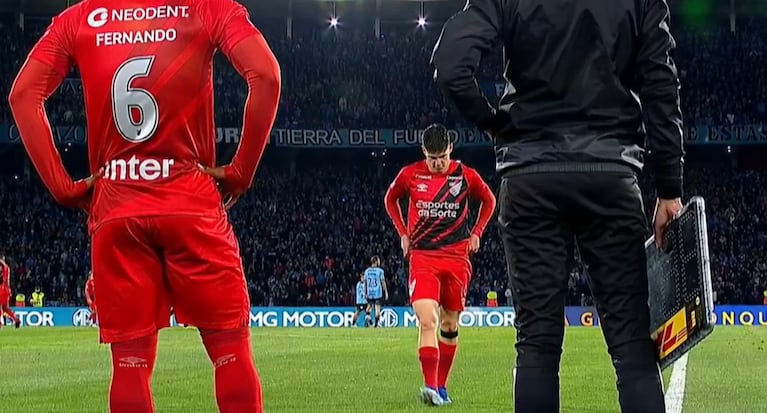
62, 370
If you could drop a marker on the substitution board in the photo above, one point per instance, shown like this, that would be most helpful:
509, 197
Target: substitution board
679, 275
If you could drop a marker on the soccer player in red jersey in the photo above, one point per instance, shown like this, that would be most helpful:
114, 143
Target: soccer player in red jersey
437, 241
90, 296
5, 293
159, 228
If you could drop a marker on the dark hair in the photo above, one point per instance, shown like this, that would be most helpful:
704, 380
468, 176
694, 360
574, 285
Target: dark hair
435, 139
374, 260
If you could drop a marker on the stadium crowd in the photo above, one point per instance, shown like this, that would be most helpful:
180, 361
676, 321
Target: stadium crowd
332, 81
306, 232
305, 237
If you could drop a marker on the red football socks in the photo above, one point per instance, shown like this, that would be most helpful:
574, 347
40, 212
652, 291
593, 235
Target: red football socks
429, 357
446, 357
9, 312
238, 389
132, 366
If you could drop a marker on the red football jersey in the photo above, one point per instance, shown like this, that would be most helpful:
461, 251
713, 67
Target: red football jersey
90, 291
6, 274
438, 208
146, 68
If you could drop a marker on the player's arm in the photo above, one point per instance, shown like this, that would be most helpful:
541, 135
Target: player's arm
479, 190
46, 67
247, 50
5, 273
465, 38
397, 190
88, 295
658, 87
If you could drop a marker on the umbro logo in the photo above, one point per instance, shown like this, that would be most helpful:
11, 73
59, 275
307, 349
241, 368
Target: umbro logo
133, 362
422, 188
224, 360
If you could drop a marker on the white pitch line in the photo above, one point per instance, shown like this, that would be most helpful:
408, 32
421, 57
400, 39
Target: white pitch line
675, 392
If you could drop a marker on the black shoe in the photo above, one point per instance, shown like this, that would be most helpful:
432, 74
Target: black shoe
18, 323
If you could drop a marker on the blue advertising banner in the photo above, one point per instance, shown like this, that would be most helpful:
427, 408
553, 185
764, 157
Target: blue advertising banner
398, 138
390, 317
725, 315
310, 317
279, 317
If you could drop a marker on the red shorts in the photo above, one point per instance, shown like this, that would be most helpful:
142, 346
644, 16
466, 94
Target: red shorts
142, 266
5, 297
441, 277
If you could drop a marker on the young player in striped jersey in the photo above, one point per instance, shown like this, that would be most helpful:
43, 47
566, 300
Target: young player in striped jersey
437, 241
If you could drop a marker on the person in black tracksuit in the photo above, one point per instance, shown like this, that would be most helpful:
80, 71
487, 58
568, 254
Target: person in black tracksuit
570, 143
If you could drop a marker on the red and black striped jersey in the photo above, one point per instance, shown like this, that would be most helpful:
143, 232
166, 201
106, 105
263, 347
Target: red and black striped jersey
438, 208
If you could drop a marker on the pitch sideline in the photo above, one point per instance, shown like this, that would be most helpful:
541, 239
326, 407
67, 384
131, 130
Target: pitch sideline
675, 391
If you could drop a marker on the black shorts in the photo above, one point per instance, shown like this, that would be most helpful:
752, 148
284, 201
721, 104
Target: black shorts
372, 301
361, 307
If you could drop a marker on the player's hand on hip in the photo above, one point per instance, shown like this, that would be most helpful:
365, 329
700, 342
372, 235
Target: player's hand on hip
91, 180
81, 194
405, 244
474, 243
230, 194
665, 212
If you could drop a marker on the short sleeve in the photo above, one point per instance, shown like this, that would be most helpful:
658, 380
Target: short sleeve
228, 23
55, 47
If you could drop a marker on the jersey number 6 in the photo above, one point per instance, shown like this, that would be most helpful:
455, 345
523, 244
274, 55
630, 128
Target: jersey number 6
127, 100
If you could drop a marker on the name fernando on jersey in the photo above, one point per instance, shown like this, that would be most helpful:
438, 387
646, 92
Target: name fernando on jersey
101, 16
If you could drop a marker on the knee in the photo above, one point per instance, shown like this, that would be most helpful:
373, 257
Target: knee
538, 357
539, 350
428, 324
211, 337
449, 324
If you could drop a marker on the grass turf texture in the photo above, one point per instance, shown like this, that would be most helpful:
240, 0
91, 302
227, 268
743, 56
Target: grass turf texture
361, 371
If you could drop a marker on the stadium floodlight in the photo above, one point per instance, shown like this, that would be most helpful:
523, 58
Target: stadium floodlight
421, 21
334, 21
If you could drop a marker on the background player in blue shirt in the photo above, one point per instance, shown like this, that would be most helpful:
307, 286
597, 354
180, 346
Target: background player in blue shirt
362, 299
376, 289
